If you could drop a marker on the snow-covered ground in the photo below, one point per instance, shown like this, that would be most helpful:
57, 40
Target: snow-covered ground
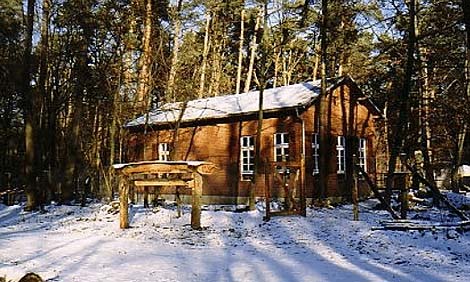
70, 243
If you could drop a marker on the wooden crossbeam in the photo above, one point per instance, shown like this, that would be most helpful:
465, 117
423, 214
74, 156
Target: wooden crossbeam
162, 182
156, 168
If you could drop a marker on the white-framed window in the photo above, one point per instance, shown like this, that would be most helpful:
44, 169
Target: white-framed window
247, 157
341, 154
363, 153
163, 151
281, 147
315, 153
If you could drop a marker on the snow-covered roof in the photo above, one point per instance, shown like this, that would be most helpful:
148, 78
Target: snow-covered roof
274, 99
230, 105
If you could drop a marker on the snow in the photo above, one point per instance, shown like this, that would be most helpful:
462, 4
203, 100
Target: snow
464, 170
72, 243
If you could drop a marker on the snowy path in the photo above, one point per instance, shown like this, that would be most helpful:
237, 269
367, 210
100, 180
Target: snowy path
85, 244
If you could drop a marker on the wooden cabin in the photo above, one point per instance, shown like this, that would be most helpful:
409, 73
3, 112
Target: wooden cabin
223, 129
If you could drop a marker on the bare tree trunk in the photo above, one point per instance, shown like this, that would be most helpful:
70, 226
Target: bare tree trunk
262, 85
205, 52
253, 47
322, 109
403, 115
72, 150
277, 58
315, 67
108, 193
425, 116
29, 167
42, 148
217, 59
143, 89
464, 130
96, 155
240, 51
170, 91
129, 71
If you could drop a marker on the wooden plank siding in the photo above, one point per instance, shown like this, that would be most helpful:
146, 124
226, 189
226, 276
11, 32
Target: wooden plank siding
218, 142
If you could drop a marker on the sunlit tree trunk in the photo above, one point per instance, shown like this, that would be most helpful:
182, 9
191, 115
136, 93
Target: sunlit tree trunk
205, 53
143, 88
240, 51
174, 58
262, 85
322, 109
277, 66
253, 46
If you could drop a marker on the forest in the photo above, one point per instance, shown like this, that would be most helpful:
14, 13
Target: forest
73, 72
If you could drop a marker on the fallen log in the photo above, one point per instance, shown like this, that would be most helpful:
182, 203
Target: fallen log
404, 225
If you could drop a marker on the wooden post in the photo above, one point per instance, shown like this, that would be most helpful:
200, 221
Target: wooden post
404, 197
132, 191
146, 196
178, 202
354, 192
123, 202
267, 191
196, 202
285, 185
303, 203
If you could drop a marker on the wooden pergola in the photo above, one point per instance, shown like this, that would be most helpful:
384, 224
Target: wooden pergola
163, 173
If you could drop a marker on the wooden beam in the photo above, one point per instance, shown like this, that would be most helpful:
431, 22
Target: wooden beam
161, 182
